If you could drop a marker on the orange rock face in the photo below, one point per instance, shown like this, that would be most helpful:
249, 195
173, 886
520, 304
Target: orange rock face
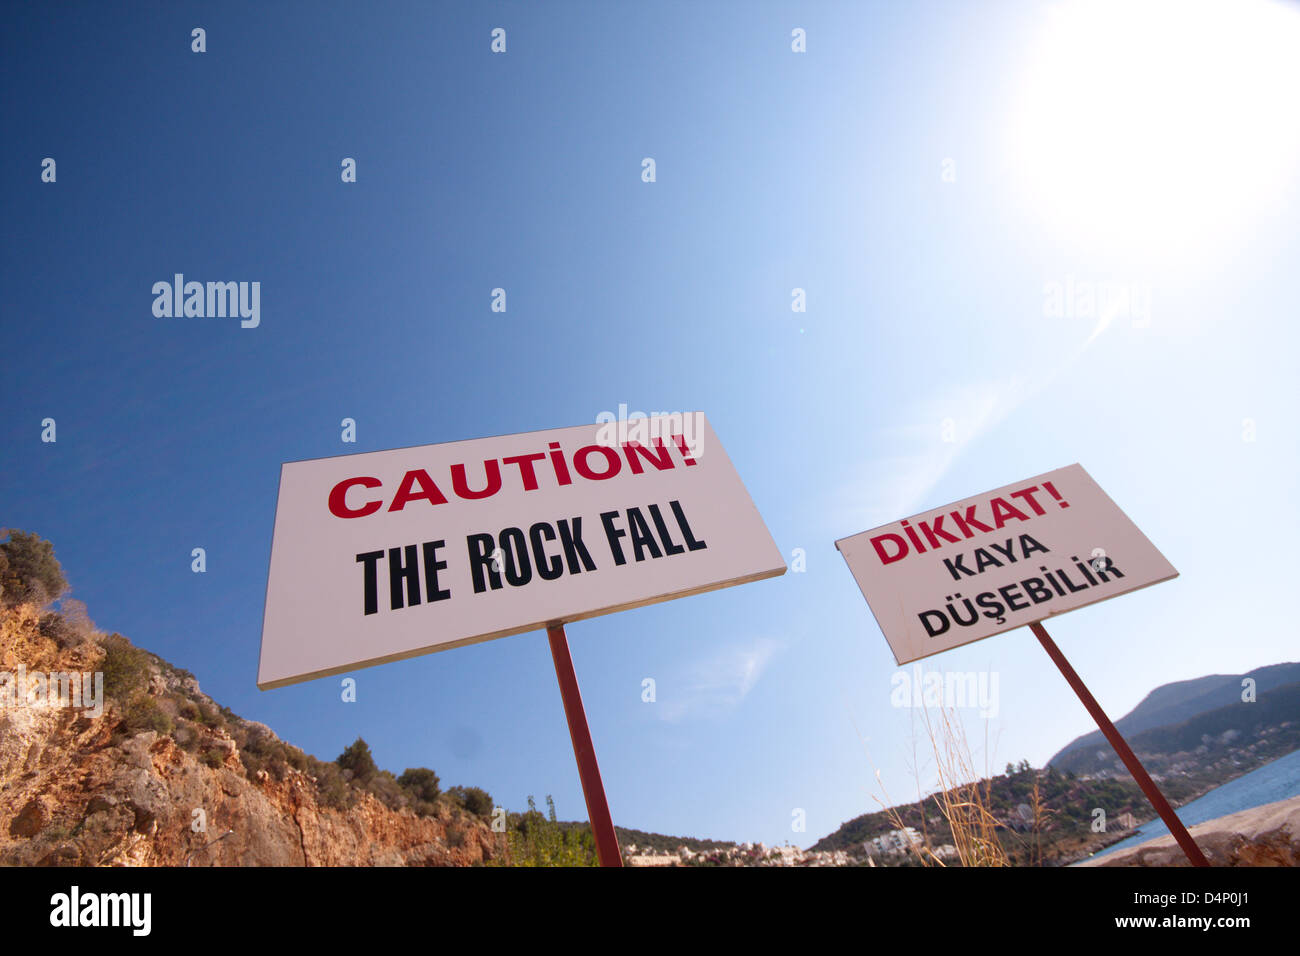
77, 789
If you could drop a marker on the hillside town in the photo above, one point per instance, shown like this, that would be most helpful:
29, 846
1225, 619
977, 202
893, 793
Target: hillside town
888, 848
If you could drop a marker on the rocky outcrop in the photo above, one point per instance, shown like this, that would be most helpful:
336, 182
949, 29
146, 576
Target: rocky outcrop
1262, 836
79, 789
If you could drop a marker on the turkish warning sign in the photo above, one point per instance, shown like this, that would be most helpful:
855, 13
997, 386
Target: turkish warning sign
999, 561
386, 555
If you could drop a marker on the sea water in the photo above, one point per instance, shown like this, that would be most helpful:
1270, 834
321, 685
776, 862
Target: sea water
1273, 781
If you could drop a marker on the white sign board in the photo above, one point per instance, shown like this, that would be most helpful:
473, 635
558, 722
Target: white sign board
999, 561
386, 555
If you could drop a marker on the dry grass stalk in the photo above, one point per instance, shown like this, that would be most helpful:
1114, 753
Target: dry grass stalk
963, 799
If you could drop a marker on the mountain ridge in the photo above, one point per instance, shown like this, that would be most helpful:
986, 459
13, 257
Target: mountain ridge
1177, 701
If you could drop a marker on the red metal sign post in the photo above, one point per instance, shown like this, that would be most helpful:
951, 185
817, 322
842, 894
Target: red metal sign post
588, 770
1122, 748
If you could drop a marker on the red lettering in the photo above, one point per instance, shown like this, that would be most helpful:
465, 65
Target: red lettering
930, 531
428, 490
631, 450
525, 463
968, 522
878, 543
1002, 510
338, 498
492, 473
1028, 495
611, 458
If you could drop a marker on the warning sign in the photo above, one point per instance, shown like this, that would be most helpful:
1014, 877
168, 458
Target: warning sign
386, 555
999, 561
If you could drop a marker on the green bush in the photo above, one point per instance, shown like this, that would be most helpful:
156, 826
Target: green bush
537, 840
31, 571
421, 783
252, 764
331, 789
186, 738
357, 759
386, 788
143, 713
210, 715
126, 668
474, 799
275, 756
213, 757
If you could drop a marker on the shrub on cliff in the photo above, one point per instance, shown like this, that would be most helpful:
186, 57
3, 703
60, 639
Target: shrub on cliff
69, 626
357, 759
126, 668
474, 799
539, 840
388, 791
143, 713
186, 738
210, 715
31, 572
264, 751
331, 789
421, 783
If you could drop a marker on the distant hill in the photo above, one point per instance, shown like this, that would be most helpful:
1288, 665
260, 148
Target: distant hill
658, 842
1068, 805
1209, 748
1175, 703
1190, 735
664, 844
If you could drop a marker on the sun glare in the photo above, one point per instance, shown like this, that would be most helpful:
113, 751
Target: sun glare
1158, 124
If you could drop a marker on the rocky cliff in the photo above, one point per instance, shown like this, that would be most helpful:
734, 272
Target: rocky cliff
1262, 836
164, 777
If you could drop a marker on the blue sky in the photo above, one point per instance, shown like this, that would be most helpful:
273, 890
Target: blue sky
927, 174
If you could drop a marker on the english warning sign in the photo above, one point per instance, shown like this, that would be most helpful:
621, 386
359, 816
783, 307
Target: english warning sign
999, 561
386, 555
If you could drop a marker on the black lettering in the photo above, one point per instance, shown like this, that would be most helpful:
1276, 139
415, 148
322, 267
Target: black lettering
549, 567
519, 571
1028, 546
642, 539
1036, 590
431, 568
1065, 579
574, 549
400, 571
670, 547
1011, 601
480, 560
689, 538
1109, 569
954, 565
613, 534
370, 574
1008, 552
925, 615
